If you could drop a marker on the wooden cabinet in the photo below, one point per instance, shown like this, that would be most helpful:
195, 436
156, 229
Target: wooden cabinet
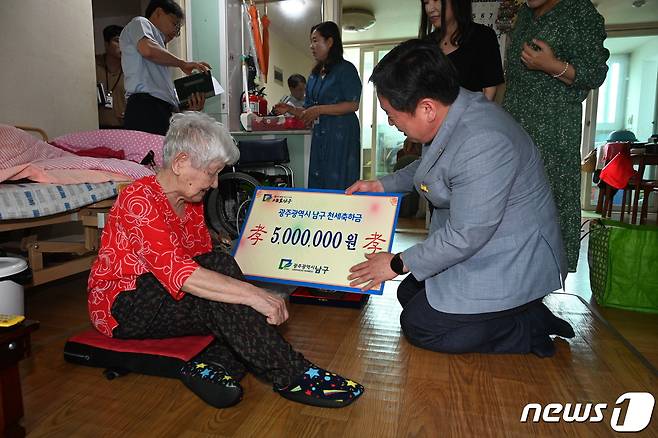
14, 346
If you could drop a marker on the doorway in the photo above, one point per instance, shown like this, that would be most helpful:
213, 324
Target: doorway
380, 142
627, 100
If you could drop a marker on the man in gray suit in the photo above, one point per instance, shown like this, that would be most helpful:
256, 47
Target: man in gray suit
494, 248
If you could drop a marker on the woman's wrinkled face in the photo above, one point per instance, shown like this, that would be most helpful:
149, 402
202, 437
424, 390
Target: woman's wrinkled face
320, 46
196, 182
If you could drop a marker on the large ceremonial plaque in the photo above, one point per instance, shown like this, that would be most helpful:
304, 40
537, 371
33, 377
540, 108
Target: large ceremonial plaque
313, 237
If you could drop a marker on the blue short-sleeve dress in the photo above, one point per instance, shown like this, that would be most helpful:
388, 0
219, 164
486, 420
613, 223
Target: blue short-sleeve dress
336, 147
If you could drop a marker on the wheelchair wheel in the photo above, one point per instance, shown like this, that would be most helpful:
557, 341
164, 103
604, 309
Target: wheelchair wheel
228, 204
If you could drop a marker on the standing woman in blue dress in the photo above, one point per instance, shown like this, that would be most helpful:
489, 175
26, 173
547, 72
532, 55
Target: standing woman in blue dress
333, 92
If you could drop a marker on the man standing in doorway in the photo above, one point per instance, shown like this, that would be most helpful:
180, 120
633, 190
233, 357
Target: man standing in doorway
146, 61
109, 73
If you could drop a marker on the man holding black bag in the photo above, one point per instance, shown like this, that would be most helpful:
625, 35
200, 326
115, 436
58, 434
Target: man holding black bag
146, 61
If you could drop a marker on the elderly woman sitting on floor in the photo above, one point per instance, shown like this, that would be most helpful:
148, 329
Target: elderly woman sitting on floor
156, 276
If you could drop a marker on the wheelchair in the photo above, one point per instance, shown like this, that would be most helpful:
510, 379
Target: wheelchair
262, 163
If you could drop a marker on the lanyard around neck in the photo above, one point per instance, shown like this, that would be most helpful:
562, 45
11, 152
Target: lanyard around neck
107, 80
315, 94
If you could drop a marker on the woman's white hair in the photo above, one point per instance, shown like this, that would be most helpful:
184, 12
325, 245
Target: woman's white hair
201, 137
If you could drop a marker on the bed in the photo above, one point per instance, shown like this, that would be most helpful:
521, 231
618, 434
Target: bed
54, 196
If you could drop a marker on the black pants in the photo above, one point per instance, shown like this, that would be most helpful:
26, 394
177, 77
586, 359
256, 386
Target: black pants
244, 339
147, 113
508, 331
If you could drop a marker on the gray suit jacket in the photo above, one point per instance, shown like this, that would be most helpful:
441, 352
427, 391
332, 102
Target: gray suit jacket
494, 241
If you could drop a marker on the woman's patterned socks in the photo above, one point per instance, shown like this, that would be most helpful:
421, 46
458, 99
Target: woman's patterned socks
211, 383
319, 387
315, 387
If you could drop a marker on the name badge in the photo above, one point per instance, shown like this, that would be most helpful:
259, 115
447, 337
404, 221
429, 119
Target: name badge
108, 100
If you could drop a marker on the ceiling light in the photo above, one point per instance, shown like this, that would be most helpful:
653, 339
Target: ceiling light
357, 20
292, 8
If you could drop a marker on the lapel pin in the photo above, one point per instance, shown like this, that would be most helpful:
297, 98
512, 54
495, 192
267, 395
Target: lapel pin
423, 187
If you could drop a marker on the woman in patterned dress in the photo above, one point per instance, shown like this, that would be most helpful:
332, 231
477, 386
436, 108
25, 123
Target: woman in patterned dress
157, 276
555, 57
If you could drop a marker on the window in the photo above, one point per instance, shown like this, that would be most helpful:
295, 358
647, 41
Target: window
612, 95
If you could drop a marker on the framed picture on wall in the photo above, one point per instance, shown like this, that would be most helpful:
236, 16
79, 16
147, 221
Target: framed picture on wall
278, 75
486, 12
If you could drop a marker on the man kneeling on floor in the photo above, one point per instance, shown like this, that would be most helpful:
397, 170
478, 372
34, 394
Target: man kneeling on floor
157, 276
494, 248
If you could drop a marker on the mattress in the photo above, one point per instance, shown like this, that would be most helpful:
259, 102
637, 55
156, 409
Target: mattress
32, 200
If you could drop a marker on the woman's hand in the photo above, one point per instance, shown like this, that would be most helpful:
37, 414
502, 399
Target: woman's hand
310, 114
361, 185
270, 305
282, 108
374, 271
541, 59
212, 285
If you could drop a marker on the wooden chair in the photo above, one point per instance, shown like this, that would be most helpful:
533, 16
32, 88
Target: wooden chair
652, 188
637, 184
606, 192
606, 195
642, 160
629, 204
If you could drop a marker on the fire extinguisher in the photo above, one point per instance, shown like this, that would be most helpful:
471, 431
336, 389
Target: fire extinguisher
257, 102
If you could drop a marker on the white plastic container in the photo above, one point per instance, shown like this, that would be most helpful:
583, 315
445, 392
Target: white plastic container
11, 293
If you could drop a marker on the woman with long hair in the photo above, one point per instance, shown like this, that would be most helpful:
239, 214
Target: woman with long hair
333, 92
472, 47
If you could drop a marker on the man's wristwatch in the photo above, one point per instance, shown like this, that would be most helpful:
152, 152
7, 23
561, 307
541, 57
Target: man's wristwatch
397, 265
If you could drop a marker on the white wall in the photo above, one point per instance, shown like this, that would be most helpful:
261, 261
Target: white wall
291, 60
48, 77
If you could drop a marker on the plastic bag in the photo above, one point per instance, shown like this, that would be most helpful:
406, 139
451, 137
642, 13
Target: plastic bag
623, 265
618, 171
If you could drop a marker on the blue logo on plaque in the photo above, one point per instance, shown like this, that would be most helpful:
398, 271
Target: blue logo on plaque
285, 263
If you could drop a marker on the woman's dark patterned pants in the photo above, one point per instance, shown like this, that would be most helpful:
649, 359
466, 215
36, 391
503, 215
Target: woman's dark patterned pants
244, 339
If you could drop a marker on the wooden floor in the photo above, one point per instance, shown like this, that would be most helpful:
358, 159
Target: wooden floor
409, 391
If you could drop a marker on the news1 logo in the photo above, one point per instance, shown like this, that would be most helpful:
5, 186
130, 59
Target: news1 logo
638, 412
